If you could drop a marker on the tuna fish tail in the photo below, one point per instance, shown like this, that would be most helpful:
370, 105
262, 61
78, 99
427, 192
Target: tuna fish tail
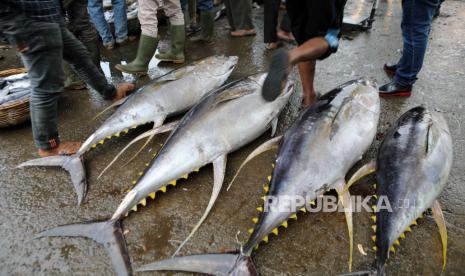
107, 233
213, 264
74, 164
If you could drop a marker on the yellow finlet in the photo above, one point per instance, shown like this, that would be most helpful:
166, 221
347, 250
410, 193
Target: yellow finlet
126, 130
197, 170
173, 183
293, 216
265, 239
269, 177
163, 189
260, 209
94, 146
421, 216
392, 249
146, 164
185, 176
275, 231
152, 195
284, 224
134, 208
396, 242
303, 209
312, 202
375, 196
373, 238
373, 218
250, 230
255, 220
374, 186
263, 198
375, 248
272, 165
266, 188
108, 137
141, 173
374, 228
101, 142
408, 229
402, 236
117, 134
414, 222
374, 208
143, 202
134, 182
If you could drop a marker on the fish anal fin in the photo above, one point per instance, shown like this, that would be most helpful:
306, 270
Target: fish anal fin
441, 223
219, 168
344, 197
360, 173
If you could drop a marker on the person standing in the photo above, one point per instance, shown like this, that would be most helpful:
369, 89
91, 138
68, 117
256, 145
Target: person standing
270, 25
39, 32
316, 27
79, 24
96, 13
149, 38
239, 13
207, 21
417, 16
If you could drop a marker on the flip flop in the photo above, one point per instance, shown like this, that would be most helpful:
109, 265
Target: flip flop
277, 74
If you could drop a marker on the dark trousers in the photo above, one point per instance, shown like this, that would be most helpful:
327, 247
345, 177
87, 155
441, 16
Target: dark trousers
239, 13
43, 46
270, 24
417, 16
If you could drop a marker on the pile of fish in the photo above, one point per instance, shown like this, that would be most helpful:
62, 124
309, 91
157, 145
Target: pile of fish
222, 122
154, 102
14, 87
314, 156
336, 130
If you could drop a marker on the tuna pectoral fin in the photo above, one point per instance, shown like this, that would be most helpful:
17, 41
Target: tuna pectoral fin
344, 197
73, 164
107, 233
219, 167
150, 134
439, 219
213, 264
268, 145
360, 173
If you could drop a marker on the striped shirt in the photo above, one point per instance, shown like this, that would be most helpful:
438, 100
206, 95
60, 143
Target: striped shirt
40, 10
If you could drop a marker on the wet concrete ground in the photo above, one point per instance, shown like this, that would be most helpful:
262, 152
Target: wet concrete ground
34, 199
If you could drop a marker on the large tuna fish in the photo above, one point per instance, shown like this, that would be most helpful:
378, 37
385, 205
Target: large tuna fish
315, 155
412, 168
220, 123
154, 102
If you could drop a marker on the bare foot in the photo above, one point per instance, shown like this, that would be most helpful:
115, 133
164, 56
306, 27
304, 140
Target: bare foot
285, 36
122, 90
64, 148
240, 33
272, 45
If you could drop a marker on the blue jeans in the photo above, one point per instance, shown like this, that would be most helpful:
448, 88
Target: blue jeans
95, 8
202, 5
416, 25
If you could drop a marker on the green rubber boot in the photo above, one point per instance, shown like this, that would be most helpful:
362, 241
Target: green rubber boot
207, 21
178, 39
140, 65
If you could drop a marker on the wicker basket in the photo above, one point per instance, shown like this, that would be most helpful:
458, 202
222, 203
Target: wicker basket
15, 112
